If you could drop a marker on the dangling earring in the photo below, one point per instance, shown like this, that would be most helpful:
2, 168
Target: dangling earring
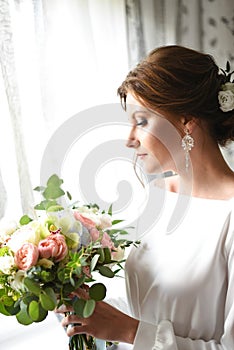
187, 144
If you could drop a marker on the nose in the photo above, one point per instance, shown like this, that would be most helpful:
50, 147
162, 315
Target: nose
132, 142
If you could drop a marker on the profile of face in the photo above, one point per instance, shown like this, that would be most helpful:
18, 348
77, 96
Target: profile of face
154, 138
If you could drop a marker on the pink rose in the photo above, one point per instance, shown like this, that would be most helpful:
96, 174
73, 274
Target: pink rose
88, 223
94, 233
53, 246
106, 241
26, 256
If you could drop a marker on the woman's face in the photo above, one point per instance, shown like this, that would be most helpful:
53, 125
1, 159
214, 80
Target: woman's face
155, 140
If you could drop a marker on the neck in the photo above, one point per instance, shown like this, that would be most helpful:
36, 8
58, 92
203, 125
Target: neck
209, 175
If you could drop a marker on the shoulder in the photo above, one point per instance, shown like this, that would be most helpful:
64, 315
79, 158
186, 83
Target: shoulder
168, 182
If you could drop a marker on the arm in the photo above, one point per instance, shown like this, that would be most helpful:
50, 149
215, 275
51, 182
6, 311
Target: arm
162, 336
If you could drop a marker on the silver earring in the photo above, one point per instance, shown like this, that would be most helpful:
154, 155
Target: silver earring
187, 144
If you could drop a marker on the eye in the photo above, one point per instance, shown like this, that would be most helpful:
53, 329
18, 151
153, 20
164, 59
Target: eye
141, 122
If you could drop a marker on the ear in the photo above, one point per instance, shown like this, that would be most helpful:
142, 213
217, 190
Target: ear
189, 123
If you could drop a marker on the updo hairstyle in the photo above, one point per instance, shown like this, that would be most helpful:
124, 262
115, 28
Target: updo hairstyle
183, 81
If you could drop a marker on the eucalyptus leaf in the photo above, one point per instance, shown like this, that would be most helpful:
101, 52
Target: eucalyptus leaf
3, 310
97, 291
54, 180
42, 314
106, 271
78, 306
33, 310
12, 309
23, 316
47, 301
32, 286
89, 308
24, 220
53, 192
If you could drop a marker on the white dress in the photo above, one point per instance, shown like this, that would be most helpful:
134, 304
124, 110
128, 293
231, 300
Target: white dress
180, 283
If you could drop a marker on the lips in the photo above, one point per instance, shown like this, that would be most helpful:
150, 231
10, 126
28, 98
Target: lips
141, 155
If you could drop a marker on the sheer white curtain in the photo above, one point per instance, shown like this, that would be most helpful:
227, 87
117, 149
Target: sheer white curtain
57, 58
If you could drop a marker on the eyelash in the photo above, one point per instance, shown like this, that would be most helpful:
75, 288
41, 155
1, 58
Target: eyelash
143, 122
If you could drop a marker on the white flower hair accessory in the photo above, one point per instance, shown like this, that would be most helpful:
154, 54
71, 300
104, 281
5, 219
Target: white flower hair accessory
226, 94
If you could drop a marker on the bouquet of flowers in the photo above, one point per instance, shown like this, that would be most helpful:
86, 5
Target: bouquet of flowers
44, 259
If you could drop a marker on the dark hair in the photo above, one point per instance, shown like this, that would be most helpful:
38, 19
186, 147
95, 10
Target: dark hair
184, 81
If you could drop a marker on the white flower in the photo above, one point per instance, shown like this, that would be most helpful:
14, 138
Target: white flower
226, 100
105, 221
6, 264
228, 86
6, 229
26, 233
17, 281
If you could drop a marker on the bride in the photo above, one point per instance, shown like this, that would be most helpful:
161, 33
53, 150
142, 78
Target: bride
180, 280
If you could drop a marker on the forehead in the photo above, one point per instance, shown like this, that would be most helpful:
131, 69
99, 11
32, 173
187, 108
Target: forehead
134, 106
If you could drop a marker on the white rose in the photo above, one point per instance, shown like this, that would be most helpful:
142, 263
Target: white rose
228, 86
106, 221
17, 281
6, 264
6, 229
226, 100
22, 235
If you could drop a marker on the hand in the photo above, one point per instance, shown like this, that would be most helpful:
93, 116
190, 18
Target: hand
106, 322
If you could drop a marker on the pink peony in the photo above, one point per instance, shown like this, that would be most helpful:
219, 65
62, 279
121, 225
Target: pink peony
53, 246
88, 223
26, 256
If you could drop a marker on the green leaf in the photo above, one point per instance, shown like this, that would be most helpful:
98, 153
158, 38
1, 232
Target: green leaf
56, 207
39, 188
69, 195
48, 299
89, 308
42, 314
33, 310
45, 204
53, 192
24, 220
78, 306
32, 286
3, 310
94, 261
110, 210
106, 271
107, 255
97, 291
114, 222
54, 180
101, 255
13, 309
23, 317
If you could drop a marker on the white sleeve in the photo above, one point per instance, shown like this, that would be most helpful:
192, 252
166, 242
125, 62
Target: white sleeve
162, 335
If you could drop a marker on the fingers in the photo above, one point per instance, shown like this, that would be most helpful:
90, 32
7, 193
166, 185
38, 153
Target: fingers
74, 319
75, 325
82, 293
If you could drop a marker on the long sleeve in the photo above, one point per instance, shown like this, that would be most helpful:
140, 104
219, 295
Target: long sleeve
181, 285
